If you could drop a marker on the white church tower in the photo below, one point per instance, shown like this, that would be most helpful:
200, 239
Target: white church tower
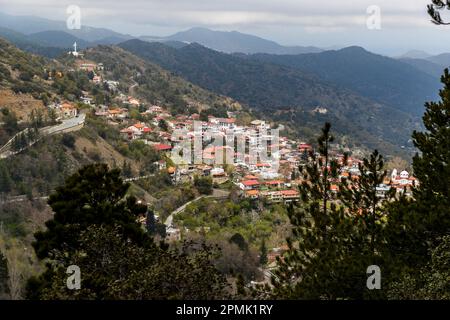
394, 174
75, 53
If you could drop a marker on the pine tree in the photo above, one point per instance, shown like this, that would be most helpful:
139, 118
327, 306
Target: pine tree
333, 244
431, 282
94, 195
432, 166
314, 266
416, 226
368, 215
359, 196
114, 268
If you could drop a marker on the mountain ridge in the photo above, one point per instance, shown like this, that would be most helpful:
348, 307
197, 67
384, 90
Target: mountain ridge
234, 41
58, 39
280, 91
382, 79
32, 24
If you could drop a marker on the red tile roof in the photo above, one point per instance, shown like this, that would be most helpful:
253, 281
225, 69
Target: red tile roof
250, 183
162, 147
274, 182
289, 193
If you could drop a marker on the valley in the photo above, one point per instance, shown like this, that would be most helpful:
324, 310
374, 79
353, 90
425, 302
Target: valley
218, 165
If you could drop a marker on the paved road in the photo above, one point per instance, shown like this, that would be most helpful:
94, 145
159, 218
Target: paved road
169, 219
134, 85
66, 125
22, 198
138, 178
217, 193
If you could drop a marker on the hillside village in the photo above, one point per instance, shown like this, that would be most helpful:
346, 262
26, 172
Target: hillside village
215, 165
135, 119
274, 181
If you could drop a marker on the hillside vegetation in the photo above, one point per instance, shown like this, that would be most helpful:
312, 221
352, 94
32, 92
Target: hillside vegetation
155, 84
382, 79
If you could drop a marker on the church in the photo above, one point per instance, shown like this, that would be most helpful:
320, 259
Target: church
75, 53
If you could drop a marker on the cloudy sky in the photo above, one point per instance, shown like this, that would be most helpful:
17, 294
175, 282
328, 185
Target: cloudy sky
405, 24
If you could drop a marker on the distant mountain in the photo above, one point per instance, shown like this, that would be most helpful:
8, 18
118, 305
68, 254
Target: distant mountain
170, 43
19, 39
25, 43
377, 77
30, 24
415, 54
52, 38
231, 42
59, 39
433, 69
228, 42
441, 59
110, 40
284, 93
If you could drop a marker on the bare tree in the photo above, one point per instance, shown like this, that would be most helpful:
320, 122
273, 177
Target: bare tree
18, 258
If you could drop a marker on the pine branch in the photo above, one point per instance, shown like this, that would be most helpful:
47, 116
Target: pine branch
434, 8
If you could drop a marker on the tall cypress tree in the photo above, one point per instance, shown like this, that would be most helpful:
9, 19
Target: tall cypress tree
150, 223
4, 276
5, 179
263, 253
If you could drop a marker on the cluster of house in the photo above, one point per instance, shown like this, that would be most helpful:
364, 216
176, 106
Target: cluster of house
401, 182
256, 179
274, 179
64, 110
94, 69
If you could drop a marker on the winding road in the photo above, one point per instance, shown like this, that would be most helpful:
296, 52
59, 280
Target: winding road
217, 194
68, 125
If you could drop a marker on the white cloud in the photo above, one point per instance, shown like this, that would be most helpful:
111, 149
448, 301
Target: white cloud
337, 13
287, 21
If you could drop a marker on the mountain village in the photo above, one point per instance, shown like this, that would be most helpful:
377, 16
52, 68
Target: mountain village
275, 180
